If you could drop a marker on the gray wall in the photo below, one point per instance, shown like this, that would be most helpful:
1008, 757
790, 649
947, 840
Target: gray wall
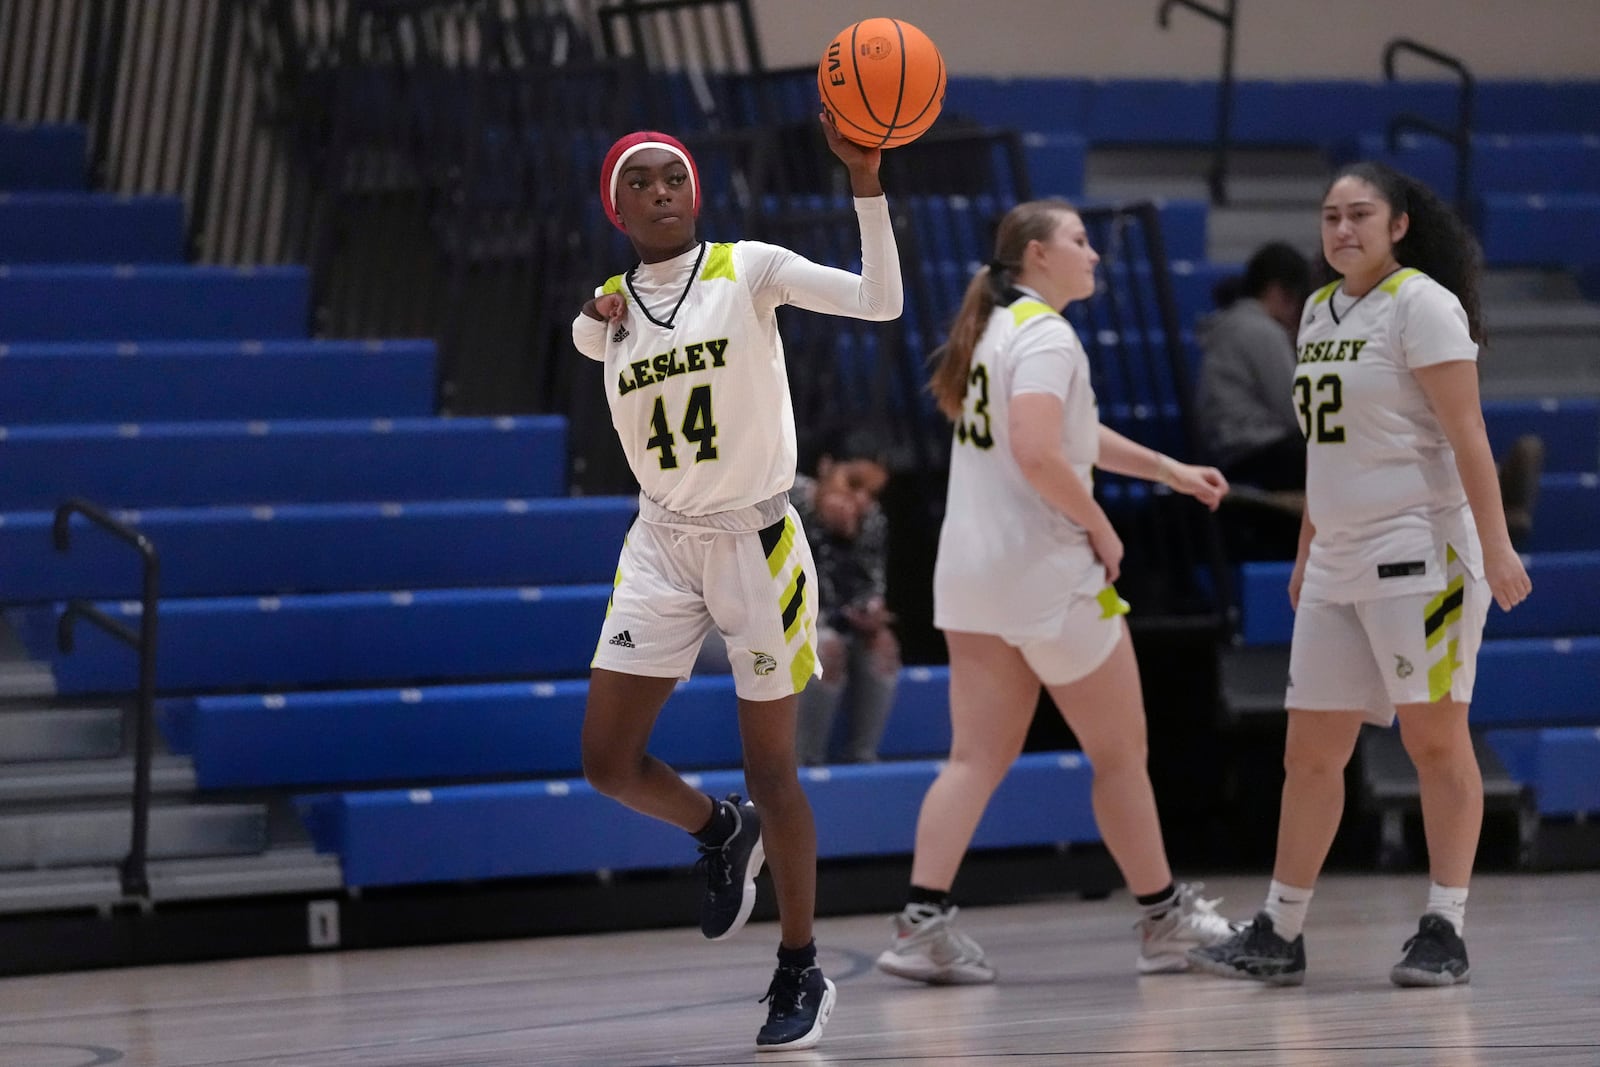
1288, 39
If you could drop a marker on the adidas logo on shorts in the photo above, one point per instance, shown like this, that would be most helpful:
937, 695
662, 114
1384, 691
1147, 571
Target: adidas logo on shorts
622, 640
622, 332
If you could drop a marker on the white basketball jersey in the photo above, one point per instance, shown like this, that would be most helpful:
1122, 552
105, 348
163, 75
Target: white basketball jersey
1008, 562
702, 405
1382, 489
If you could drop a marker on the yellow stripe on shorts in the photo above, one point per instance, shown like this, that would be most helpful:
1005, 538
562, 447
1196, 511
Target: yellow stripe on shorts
1441, 674
1443, 610
778, 551
803, 666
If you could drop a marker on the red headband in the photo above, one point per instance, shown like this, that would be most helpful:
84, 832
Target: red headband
637, 142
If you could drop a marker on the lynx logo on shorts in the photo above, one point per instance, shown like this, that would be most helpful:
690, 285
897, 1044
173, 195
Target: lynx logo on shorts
765, 664
1402, 667
622, 640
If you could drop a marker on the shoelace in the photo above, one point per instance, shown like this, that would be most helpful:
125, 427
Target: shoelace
785, 991
713, 865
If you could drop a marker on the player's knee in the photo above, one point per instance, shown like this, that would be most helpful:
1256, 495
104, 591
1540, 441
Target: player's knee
1305, 761
885, 649
609, 773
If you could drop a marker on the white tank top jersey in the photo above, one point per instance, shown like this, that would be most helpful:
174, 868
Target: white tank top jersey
1382, 489
1008, 562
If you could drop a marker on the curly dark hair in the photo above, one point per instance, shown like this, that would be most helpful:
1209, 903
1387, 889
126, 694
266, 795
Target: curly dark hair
1437, 242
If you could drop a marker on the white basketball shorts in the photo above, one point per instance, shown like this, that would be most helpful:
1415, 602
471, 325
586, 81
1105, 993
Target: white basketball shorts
676, 581
1089, 634
1373, 654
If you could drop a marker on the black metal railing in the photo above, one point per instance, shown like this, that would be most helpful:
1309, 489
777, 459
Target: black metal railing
1460, 136
135, 879
1228, 18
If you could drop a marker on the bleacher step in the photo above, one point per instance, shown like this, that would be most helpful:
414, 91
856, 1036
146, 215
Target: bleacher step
85, 837
1390, 789
59, 890
297, 869
84, 778
33, 734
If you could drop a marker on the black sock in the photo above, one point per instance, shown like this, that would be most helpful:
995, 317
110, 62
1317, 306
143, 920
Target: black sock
1161, 901
932, 898
802, 957
719, 827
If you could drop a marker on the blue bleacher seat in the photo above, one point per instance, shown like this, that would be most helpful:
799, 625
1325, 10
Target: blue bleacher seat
523, 829
90, 228
192, 380
289, 461
43, 156
1557, 763
482, 730
234, 643
1567, 514
1501, 163
1568, 426
315, 548
1565, 600
161, 302
1541, 229
1056, 163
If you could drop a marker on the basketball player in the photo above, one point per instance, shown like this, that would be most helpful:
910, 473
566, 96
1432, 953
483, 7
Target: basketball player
1023, 591
699, 395
1403, 543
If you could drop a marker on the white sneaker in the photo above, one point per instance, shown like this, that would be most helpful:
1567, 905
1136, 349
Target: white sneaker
1192, 922
928, 948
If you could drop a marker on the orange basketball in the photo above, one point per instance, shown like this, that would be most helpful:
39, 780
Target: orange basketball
882, 82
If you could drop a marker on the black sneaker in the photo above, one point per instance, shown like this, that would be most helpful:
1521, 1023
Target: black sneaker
730, 871
1255, 952
801, 1001
1435, 955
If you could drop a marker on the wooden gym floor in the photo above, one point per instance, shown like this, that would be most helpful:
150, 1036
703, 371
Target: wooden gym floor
1067, 994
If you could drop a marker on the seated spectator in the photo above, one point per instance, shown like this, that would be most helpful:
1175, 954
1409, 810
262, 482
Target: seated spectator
1247, 413
859, 651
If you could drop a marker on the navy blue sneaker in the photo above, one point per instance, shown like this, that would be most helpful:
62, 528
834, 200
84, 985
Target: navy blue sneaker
801, 1001
1255, 952
1435, 956
730, 870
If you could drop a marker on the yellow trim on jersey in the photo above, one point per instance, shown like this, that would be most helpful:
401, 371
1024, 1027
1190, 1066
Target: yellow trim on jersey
613, 285
1111, 605
1393, 283
1324, 293
803, 666
719, 263
1028, 308
1441, 674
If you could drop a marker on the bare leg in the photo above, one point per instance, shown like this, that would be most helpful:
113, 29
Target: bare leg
1106, 711
1439, 743
788, 831
993, 694
1318, 746
617, 720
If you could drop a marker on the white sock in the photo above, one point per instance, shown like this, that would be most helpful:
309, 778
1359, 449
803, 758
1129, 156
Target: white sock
1286, 907
1448, 903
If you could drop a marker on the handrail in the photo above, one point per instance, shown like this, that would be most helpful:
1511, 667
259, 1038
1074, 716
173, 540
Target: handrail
135, 878
1459, 138
1227, 18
